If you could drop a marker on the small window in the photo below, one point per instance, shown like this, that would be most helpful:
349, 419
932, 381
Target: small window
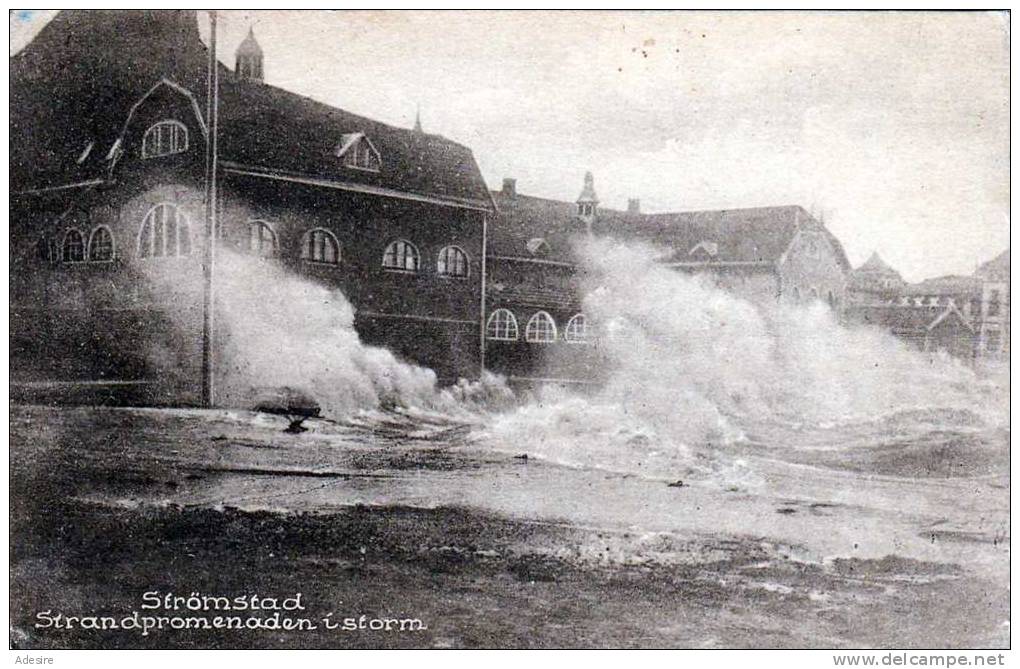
261, 239
358, 152
73, 248
705, 248
541, 329
101, 245
452, 262
993, 303
577, 329
320, 245
44, 249
401, 255
165, 233
502, 326
165, 138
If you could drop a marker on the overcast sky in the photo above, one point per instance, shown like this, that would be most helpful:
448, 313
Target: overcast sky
893, 126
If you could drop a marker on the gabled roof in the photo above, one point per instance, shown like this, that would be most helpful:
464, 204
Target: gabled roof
904, 320
94, 65
758, 236
875, 265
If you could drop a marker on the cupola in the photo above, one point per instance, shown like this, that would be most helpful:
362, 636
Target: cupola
249, 59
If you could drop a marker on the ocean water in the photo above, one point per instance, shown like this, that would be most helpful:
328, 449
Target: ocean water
700, 380
836, 439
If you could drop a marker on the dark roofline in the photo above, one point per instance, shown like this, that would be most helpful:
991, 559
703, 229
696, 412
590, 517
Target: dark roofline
282, 175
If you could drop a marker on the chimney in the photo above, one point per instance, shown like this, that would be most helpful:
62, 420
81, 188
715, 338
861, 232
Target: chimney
510, 187
633, 206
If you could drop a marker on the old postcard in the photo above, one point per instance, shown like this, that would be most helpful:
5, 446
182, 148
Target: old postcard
504, 330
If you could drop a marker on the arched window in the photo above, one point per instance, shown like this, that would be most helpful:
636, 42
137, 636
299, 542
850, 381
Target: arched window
73, 248
831, 299
401, 255
261, 239
577, 329
165, 233
101, 245
502, 326
165, 138
319, 245
814, 294
541, 329
452, 262
796, 294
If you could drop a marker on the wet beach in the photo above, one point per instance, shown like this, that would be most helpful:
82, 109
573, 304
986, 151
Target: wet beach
397, 517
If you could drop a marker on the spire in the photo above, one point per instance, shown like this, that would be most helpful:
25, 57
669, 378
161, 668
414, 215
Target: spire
588, 192
587, 201
417, 120
249, 58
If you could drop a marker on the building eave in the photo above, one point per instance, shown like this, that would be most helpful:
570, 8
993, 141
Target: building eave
230, 167
721, 263
51, 189
535, 261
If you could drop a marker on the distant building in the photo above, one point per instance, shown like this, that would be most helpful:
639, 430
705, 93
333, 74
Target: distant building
536, 329
928, 313
994, 318
874, 282
930, 328
108, 144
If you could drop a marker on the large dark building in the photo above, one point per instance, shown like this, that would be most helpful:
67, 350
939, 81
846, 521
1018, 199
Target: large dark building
109, 131
536, 329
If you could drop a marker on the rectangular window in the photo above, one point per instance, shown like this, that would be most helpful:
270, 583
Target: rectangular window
993, 303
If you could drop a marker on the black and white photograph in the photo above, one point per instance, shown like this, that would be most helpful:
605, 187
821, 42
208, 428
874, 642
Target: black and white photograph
510, 329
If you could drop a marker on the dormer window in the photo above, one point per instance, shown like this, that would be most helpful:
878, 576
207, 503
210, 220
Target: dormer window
705, 248
537, 246
358, 152
165, 138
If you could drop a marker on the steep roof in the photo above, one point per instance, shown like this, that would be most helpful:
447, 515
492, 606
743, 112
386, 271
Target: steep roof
875, 265
759, 235
909, 319
523, 222
77, 80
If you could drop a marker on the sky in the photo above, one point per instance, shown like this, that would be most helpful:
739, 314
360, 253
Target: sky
892, 127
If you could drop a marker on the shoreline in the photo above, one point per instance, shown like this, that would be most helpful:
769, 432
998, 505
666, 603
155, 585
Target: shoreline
109, 504
474, 579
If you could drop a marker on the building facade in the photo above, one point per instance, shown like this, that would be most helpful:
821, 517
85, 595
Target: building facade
109, 136
536, 330
993, 326
967, 316
873, 283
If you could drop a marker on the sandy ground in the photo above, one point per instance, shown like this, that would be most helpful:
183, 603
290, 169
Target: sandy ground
392, 520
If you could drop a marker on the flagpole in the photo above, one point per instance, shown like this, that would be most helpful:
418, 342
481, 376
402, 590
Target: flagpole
209, 264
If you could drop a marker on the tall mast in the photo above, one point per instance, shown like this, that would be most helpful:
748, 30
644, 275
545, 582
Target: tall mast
209, 264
